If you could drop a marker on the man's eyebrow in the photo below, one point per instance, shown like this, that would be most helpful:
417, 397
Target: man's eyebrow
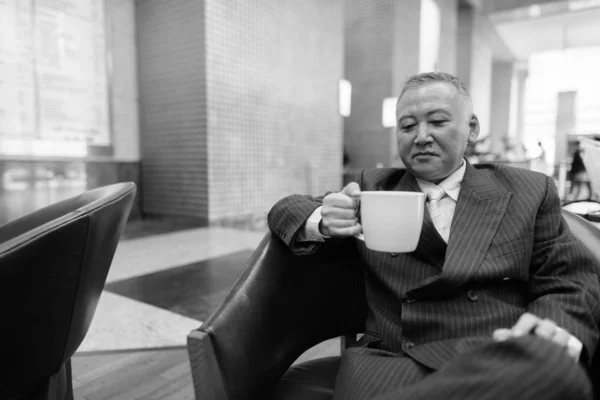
439, 110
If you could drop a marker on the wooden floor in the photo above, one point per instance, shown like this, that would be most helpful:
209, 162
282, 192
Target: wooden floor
150, 374
128, 375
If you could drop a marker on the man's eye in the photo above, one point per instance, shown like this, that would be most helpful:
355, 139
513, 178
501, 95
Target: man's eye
407, 127
438, 122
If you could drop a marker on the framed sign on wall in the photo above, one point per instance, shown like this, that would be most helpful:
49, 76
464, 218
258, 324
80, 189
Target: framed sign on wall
54, 84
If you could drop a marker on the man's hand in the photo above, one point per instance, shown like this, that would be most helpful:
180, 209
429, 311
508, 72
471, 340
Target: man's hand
531, 324
339, 210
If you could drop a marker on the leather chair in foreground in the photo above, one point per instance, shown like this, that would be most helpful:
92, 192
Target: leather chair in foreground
53, 266
281, 306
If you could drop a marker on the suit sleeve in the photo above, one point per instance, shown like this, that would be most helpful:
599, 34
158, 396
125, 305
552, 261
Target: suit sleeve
288, 217
563, 279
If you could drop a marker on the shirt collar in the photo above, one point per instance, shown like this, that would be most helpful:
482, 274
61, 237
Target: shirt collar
451, 184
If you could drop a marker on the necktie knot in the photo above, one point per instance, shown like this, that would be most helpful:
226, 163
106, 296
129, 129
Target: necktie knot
435, 193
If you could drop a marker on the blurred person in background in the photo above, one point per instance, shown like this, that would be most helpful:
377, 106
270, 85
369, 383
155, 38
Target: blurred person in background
578, 176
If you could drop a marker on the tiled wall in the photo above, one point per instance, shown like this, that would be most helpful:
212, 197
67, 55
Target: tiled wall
239, 105
382, 50
172, 92
369, 59
274, 128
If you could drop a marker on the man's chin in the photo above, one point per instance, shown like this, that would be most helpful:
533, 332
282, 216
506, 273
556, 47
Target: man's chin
427, 171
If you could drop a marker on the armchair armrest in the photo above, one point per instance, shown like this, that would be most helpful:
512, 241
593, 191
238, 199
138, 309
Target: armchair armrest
279, 307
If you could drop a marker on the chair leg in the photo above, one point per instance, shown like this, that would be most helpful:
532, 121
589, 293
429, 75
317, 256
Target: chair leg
57, 387
69, 382
60, 386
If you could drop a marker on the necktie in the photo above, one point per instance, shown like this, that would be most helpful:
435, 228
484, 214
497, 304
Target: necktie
434, 194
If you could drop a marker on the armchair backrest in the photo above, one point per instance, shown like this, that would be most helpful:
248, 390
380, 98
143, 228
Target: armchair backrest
280, 306
587, 233
590, 236
591, 159
53, 266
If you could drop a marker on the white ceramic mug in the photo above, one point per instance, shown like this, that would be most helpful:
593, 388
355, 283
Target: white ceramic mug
391, 220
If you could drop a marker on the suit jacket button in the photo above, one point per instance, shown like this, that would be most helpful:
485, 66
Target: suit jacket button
409, 300
409, 344
394, 254
472, 294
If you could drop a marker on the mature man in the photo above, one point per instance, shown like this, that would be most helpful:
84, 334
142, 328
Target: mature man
498, 301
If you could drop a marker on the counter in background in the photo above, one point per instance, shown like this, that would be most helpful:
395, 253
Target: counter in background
27, 183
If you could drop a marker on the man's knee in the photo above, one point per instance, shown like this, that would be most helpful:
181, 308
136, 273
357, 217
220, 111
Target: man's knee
545, 362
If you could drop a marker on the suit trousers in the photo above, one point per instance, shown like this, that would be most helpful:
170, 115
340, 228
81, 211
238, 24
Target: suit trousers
527, 367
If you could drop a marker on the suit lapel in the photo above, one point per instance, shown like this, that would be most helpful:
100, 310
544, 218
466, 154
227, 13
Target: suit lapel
479, 210
431, 247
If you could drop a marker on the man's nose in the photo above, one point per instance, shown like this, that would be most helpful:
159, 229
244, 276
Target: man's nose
423, 135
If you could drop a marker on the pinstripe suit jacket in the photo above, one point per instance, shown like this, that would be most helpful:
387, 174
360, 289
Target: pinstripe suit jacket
509, 251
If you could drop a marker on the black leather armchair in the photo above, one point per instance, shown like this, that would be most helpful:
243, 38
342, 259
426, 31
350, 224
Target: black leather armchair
53, 266
281, 306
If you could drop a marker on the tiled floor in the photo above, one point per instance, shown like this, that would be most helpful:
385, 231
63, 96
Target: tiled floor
162, 286
192, 290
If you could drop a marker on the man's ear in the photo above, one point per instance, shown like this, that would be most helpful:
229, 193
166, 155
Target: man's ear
473, 129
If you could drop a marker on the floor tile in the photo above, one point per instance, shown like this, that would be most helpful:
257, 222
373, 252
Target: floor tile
160, 252
123, 323
194, 290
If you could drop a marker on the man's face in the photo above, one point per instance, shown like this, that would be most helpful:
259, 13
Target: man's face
435, 123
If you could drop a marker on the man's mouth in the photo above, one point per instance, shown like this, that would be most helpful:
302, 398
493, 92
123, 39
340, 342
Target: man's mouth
425, 153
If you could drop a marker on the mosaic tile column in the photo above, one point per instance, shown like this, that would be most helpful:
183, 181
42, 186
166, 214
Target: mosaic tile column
239, 105
272, 73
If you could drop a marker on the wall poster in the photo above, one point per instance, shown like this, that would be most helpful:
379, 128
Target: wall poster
53, 77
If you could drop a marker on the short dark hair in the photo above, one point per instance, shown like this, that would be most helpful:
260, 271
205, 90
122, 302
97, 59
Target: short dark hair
427, 77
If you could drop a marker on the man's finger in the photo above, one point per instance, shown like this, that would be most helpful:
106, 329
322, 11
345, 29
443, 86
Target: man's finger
546, 329
561, 337
338, 213
574, 347
502, 334
352, 190
525, 324
342, 223
340, 200
344, 232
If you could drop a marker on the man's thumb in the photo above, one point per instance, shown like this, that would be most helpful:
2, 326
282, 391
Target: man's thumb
351, 190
